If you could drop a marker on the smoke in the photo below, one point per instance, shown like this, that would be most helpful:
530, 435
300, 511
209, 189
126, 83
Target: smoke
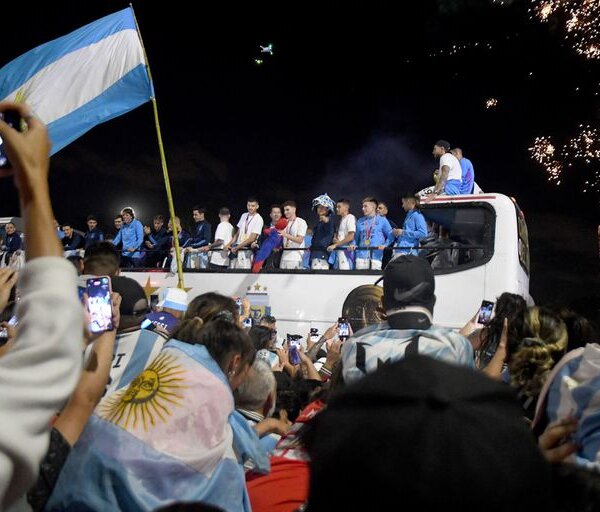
385, 167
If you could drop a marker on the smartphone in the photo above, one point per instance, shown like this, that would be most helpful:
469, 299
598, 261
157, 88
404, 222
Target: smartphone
485, 312
314, 334
238, 301
343, 328
99, 304
247, 323
293, 342
13, 119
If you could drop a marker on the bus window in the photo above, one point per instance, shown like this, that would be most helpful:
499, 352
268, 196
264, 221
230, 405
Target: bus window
460, 236
523, 240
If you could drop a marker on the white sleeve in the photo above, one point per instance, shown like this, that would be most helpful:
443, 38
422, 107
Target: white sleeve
39, 373
240, 224
221, 232
446, 160
256, 225
351, 223
302, 227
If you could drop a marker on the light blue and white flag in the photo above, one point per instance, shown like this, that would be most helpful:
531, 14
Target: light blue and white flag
82, 79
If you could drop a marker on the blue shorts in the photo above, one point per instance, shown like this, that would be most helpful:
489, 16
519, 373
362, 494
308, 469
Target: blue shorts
452, 187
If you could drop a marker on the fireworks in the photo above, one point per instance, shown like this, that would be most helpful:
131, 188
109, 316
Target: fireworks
580, 19
544, 152
491, 103
583, 148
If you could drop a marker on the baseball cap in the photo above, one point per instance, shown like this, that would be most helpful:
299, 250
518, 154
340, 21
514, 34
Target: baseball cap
133, 296
430, 430
175, 298
408, 281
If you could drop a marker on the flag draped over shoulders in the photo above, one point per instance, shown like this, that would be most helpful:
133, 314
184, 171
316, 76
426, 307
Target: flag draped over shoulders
167, 437
82, 79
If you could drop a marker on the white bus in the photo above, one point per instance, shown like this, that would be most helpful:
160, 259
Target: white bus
489, 255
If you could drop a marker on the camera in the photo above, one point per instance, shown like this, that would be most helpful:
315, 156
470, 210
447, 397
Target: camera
13, 119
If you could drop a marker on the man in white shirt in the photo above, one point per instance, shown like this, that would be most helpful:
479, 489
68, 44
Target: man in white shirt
249, 227
293, 238
449, 172
345, 235
219, 260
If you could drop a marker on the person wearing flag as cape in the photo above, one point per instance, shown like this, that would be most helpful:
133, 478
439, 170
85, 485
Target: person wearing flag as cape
272, 240
371, 237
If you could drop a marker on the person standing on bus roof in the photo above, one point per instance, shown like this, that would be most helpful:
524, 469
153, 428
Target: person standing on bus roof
372, 234
468, 173
449, 172
414, 229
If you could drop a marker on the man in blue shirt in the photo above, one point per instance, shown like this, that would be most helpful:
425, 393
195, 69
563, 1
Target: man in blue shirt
197, 245
322, 232
93, 234
72, 240
131, 235
12, 242
372, 232
468, 173
156, 242
414, 229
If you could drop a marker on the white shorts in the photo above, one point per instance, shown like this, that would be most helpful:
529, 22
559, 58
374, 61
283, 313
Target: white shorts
291, 264
343, 263
243, 260
366, 264
317, 264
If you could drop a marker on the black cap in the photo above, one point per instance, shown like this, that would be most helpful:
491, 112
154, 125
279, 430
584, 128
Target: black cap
443, 144
423, 428
133, 296
408, 281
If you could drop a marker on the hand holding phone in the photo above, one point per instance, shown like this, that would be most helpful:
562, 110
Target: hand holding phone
99, 304
485, 312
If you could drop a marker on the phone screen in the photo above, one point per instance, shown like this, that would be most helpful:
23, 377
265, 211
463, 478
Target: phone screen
485, 312
293, 351
343, 329
13, 119
99, 304
238, 301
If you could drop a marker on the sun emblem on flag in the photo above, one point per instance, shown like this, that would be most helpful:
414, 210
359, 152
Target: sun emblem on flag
148, 398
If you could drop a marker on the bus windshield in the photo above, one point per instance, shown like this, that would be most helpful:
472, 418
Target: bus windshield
459, 236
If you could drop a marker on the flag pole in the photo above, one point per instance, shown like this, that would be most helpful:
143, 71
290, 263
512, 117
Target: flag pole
163, 161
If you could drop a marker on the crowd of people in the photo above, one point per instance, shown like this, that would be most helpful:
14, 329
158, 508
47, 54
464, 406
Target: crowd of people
336, 238
181, 407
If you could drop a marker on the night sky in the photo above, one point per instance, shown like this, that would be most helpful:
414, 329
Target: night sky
350, 104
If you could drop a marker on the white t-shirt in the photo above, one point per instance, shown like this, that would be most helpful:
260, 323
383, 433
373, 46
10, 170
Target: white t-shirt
347, 225
297, 227
249, 224
224, 232
454, 165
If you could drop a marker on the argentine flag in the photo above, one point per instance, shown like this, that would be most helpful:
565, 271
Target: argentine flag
82, 79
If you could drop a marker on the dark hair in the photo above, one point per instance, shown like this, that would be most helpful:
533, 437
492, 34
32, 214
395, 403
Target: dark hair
199, 209
443, 144
276, 206
220, 337
65, 224
370, 199
514, 308
101, 258
579, 328
208, 305
344, 201
159, 217
224, 211
92, 217
252, 199
270, 319
575, 488
128, 211
261, 336
119, 216
289, 203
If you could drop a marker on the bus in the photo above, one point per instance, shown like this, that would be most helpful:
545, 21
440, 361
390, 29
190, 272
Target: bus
483, 252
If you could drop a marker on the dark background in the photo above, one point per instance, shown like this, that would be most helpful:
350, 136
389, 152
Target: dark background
350, 104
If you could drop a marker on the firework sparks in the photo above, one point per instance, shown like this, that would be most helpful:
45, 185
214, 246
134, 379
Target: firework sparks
491, 103
544, 152
582, 22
